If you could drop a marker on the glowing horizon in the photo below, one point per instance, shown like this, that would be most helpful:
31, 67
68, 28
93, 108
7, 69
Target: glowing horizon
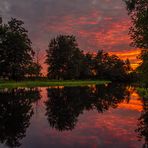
97, 24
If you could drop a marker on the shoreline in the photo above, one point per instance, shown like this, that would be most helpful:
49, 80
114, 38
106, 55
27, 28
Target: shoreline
37, 83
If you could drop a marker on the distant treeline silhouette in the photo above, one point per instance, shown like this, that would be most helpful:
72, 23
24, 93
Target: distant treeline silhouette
64, 58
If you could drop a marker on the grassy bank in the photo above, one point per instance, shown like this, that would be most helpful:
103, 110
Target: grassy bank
12, 84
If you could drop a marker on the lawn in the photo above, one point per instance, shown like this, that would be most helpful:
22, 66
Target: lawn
30, 84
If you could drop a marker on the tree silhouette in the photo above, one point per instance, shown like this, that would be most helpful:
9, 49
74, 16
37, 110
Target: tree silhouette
15, 50
63, 58
110, 67
66, 61
138, 11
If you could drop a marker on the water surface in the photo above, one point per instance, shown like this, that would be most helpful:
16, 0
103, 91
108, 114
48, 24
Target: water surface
69, 117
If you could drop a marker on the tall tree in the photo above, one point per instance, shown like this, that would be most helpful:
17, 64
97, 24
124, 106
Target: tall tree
63, 58
15, 50
138, 11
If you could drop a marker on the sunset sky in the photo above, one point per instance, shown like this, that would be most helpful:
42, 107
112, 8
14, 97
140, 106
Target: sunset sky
97, 24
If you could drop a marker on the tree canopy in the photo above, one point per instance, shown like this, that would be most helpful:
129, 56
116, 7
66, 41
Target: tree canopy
16, 53
63, 58
138, 11
66, 61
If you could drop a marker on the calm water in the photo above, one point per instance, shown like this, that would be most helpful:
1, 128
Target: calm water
112, 116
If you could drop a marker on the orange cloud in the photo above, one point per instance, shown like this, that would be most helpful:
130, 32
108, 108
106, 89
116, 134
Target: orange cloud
132, 55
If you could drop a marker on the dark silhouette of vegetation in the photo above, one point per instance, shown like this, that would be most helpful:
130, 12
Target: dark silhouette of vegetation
111, 67
15, 113
143, 68
64, 58
34, 70
143, 92
16, 53
142, 129
138, 11
66, 104
66, 61
87, 69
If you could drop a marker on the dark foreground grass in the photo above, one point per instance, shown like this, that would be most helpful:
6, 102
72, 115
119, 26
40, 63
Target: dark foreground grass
30, 84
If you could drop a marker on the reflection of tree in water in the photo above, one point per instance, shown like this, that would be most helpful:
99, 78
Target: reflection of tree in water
110, 96
65, 105
143, 124
15, 113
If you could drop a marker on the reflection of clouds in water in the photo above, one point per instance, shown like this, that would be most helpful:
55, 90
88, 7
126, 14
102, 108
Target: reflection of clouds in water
65, 105
15, 114
113, 125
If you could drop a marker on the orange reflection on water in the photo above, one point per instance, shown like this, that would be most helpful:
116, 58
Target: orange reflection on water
115, 126
134, 102
132, 105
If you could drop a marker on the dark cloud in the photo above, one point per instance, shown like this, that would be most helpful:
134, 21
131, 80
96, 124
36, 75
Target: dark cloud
98, 24
84, 18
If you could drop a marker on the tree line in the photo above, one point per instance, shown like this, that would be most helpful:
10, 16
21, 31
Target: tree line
65, 60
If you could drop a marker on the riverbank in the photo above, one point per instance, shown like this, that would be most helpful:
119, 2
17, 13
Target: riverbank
30, 84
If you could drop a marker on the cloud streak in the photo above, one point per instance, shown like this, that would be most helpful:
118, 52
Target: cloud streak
98, 24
